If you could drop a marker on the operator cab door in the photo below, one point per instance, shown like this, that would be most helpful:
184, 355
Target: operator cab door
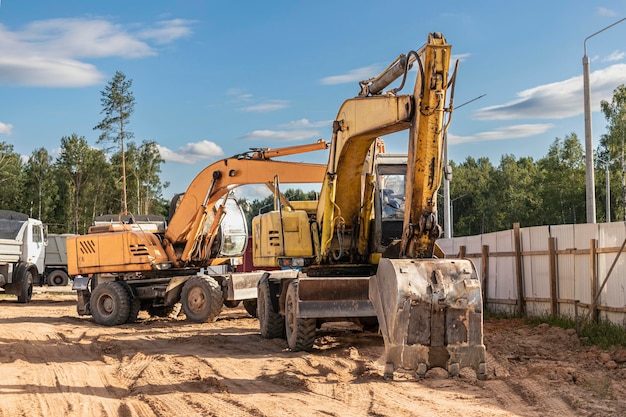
389, 200
33, 249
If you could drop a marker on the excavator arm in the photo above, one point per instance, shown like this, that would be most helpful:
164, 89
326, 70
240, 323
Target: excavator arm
186, 229
344, 208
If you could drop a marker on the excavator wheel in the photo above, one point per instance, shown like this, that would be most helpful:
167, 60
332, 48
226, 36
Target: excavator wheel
110, 303
250, 306
135, 306
202, 299
271, 323
300, 332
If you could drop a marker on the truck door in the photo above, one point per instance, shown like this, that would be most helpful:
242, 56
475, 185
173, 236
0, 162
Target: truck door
34, 245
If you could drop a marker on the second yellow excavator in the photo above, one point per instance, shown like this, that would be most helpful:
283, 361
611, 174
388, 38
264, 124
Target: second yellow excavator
369, 250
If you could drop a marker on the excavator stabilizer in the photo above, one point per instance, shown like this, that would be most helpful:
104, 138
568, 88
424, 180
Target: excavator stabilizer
430, 315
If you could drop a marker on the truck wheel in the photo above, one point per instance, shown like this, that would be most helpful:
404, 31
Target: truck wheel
58, 278
25, 286
271, 323
110, 303
300, 332
250, 306
202, 299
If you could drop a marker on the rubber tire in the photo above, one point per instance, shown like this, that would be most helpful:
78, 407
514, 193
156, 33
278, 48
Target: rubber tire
202, 299
271, 323
300, 333
250, 306
58, 278
135, 305
110, 303
25, 286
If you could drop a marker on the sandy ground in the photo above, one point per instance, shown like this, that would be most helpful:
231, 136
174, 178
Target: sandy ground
56, 363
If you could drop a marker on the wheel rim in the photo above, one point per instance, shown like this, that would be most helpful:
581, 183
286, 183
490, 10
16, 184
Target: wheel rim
106, 305
196, 300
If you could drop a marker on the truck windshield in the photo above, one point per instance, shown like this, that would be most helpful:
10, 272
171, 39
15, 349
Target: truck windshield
9, 228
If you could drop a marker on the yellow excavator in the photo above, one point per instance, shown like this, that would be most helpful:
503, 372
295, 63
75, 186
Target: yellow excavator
128, 267
369, 253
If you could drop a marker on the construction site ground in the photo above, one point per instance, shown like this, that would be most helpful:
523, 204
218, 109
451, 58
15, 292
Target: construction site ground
56, 363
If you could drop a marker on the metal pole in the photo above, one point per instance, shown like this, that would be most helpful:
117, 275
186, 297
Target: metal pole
608, 194
447, 177
590, 180
590, 199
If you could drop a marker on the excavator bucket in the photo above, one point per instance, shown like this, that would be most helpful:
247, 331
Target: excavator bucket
430, 315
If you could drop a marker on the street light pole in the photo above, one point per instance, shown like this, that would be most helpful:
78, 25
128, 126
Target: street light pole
590, 180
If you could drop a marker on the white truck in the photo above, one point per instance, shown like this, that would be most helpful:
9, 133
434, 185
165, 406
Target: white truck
22, 252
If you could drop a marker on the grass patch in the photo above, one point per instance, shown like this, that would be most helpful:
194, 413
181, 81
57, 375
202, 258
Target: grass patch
603, 334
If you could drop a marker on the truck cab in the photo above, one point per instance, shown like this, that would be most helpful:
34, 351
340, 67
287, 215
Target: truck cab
22, 253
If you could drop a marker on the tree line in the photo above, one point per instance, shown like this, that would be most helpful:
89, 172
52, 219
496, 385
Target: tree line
67, 190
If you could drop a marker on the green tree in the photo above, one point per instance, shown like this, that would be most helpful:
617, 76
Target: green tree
12, 196
517, 192
82, 168
611, 148
40, 184
145, 187
474, 209
118, 104
563, 190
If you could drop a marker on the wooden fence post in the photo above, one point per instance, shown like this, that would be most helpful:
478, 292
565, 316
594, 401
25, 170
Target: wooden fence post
554, 306
521, 307
485, 274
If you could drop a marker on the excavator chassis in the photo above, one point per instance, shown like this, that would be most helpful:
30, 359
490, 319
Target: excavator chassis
430, 315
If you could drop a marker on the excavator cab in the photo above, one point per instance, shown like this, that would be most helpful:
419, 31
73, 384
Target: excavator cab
389, 204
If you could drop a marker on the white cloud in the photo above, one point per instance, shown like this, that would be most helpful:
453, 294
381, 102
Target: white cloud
305, 123
507, 132
238, 96
615, 56
603, 11
47, 72
51, 53
192, 152
558, 100
460, 57
281, 135
357, 75
5, 128
266, 107
167, 31
252, 192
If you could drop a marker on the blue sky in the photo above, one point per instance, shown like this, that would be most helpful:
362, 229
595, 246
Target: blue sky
212, 79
